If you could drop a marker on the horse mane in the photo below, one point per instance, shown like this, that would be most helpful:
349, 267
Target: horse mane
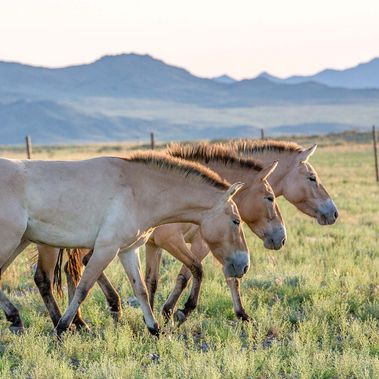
187, 169
205, 152
251, 146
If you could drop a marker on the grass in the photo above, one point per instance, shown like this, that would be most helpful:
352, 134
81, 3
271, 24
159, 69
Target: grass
315, 304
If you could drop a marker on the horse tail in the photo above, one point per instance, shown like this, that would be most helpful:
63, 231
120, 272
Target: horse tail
58, 273
74, 264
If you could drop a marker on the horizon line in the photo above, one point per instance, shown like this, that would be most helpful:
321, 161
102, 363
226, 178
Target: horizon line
41, 66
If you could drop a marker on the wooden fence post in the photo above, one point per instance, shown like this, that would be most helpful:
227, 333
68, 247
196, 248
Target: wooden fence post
262, 134
374, 139
28, 142
152, 141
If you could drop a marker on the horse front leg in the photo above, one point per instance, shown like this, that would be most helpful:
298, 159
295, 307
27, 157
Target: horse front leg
102, 255
177, 247
239, 310
131, 263
110, 293
72, 282
199, 249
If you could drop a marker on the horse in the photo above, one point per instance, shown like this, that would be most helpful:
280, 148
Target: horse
294, 178
256, 204
111, 205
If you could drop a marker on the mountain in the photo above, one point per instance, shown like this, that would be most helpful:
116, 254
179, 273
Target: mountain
124, 97
364, 75
224, 79
143, 77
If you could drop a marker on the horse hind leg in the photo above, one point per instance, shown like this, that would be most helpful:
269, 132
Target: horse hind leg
44, 279
153, 261
11, 312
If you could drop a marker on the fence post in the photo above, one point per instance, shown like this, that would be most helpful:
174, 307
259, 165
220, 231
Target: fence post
28, 142
152, 141
374, 139
262, 134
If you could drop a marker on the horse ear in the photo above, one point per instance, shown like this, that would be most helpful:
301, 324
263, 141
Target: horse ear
232, 191
267, 171
307, 153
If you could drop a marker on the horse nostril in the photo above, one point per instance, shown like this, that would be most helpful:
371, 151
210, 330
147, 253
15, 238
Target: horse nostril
245, 269
283, 241
335, 215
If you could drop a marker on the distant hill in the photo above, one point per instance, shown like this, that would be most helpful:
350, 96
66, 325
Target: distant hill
364, 75
224, 79
126, 96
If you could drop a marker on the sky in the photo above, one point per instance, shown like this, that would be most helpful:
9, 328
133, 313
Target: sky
209, 38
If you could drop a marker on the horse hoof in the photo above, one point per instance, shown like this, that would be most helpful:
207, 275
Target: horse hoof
180, 316
116, 316
154, 331
84, 328
60, 330
243, 316
167, 313
18, 330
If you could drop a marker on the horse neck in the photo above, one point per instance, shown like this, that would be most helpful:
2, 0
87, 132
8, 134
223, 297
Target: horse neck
285, 160
165, 197
233, 173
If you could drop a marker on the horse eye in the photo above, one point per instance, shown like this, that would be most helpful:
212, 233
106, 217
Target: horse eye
270, 199
312, 178
236, 221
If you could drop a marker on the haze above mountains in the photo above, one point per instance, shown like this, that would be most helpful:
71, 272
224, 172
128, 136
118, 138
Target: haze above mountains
124, 97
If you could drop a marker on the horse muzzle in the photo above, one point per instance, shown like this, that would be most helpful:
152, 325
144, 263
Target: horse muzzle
237, 265
276, 239
327, 213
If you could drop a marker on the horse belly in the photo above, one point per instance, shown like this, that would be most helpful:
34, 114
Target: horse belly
61, 235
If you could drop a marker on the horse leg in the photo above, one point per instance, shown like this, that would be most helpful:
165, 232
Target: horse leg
11, 312
177, 247
73, 275
103, 254
153, 261
112, 296
44, 279
71, 287
130, 261
234, 285
199, 249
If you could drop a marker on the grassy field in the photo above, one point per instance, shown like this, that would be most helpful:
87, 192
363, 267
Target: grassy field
315, 303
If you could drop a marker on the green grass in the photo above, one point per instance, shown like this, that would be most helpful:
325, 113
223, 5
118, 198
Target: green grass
315, 305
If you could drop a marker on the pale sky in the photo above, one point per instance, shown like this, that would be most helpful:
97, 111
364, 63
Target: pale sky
207, 37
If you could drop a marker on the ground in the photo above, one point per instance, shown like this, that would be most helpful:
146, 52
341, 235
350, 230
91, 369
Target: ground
315, 303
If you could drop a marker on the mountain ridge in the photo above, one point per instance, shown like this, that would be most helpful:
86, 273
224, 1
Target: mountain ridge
133, 94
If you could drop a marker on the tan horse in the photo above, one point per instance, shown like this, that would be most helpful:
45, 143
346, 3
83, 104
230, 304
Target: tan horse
294, 178
256, 204
258, 208
110, 205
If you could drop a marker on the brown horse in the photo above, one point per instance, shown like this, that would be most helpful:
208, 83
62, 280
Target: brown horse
111, 205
